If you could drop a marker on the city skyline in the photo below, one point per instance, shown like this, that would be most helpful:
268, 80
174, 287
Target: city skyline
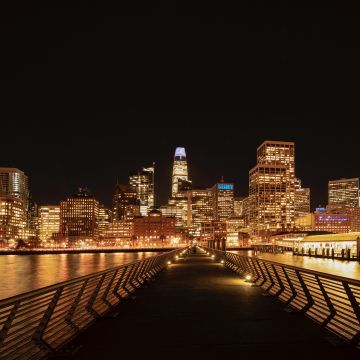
46, 194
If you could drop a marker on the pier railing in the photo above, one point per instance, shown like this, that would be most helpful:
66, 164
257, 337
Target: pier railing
37, 323
332, 301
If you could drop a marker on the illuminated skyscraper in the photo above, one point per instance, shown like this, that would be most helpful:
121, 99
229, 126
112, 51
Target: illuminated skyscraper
302, 200
79, 216
14, 204
272, 188
344, 193
142, 182
238, 206
13, 182
49, 221
12, 220
200, 209
103, 219
223, 200
126, 204
180, 170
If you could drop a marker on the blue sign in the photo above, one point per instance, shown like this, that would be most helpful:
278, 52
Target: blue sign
225, 187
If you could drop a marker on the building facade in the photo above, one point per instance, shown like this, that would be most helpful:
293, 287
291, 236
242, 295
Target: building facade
154, 226
126, 204
223, 200
14, 183
79, 216
343, 193
200, 209
272, 189
49, 221
14, 206
302, 199
142, 183
180, 171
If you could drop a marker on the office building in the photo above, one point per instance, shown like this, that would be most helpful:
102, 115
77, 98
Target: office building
199, 209
343, 194
223, 201
14, 183
49, 221
79, 216
142, 183
302, 200
12, 220
103, 219
126, 203
272, 189
154, 227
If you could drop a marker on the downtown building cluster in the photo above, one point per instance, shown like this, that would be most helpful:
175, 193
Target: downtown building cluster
276, 203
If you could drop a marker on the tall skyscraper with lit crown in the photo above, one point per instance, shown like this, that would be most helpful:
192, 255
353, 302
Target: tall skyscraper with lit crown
180, 170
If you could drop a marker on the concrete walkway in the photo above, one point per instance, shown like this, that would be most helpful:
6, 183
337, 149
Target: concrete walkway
199, 309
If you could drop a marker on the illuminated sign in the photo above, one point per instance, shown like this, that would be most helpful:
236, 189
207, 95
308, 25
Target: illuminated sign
180, 151
225, 187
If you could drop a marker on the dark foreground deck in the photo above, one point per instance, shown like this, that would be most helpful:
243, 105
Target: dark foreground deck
199, 309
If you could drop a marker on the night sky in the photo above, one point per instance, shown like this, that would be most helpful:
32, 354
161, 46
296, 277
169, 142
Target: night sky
91, 93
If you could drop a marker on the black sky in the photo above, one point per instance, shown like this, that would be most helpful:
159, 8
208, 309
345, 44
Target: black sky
91, 93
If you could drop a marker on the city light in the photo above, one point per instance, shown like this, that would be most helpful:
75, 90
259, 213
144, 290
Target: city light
248, 277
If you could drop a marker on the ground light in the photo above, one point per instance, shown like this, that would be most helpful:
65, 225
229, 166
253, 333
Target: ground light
213, 256
248, 278
222, 261
169, 262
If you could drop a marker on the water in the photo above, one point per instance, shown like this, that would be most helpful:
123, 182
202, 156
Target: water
349, 269
22, 273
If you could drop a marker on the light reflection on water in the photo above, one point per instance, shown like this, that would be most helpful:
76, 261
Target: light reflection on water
22, 273
350, 269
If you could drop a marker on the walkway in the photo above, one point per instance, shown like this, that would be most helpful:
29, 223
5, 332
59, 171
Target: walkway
199, 309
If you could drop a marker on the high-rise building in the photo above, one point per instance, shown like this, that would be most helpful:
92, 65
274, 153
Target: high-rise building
14, 205
12, 220
142, 182
49, 221
180, 170
272, 188
302, 199
103, 219
126, 203
238, 206
13, 182
79, 216
200, 209
223, 200
344, 193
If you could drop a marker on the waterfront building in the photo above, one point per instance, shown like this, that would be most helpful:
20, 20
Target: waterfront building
154, 227
272, 188
49, 221
79, 216
344, 193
